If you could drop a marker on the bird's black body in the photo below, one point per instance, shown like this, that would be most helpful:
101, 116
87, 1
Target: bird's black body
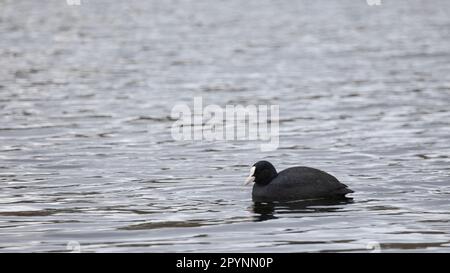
297, 183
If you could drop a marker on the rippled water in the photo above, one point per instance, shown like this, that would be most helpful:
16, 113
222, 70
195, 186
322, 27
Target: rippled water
86, 154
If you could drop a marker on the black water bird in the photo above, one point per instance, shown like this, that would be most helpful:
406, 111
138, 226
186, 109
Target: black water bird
296, 183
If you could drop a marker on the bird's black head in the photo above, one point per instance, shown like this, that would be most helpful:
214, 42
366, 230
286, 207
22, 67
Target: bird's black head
262, 172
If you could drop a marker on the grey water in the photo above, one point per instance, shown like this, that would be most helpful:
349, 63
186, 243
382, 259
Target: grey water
88, 163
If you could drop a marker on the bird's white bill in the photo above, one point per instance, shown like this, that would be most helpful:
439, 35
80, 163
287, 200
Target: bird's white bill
250, 178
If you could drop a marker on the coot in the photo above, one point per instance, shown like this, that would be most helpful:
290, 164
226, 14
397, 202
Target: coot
296, 183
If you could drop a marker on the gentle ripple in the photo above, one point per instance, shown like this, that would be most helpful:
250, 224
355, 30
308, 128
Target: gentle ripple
86, 153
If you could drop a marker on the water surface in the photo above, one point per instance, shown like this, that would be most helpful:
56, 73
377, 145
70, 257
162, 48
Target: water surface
86, 153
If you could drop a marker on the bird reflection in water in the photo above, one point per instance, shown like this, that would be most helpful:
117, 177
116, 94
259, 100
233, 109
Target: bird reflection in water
271, 210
